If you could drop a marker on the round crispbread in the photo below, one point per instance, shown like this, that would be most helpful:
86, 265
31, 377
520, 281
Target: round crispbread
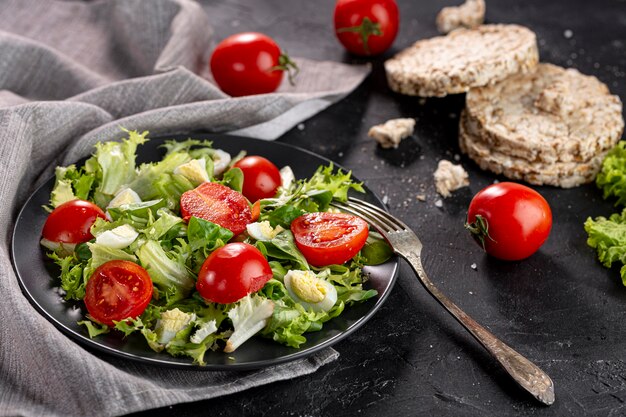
558, 174
463, 59
551, 114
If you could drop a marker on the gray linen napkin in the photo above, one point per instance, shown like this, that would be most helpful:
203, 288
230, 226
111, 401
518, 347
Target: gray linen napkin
71, 73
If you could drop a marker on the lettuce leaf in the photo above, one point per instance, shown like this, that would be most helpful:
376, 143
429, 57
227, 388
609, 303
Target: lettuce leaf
612, 177
166, 273
114, 165
312, 195
283, 248
376, 250
72, 278
204, 237
71, 183
608, 237
326, 180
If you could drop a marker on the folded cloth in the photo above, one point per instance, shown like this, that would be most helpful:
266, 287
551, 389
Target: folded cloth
71, 74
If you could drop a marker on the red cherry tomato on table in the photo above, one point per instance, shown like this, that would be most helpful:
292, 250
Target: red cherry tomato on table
249, 63
329, 238
366, 27
511, 221
218, 204
118, 290
70, 222
261, 178
232, 272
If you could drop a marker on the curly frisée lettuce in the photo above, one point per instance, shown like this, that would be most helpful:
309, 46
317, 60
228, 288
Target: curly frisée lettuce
144, 225
608, 235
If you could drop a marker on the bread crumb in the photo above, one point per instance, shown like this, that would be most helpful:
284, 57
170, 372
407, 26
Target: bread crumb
439, 203
470, 14
390, 133
449, 177
420, 197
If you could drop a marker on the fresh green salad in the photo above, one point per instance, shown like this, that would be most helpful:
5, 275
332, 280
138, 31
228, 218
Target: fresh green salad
202, 250
608, 235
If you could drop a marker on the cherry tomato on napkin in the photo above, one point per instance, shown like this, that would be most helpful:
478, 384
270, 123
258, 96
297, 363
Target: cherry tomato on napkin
510, 221
366, 27
249, 63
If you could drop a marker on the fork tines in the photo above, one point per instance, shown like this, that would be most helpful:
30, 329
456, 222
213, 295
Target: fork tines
374, 215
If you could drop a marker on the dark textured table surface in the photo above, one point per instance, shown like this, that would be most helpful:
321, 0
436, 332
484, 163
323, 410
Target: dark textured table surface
560, 308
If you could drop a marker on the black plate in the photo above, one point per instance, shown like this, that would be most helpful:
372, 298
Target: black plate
38, 276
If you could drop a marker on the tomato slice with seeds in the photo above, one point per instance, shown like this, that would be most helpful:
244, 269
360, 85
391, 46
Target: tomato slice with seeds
218, 204
329, 238
118, 290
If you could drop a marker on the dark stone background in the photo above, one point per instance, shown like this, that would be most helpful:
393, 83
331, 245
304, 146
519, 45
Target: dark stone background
560, 308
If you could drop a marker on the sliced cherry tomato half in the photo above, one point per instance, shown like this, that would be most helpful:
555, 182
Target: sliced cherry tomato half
329, 238
218, 204
261, 178
70, 222
232, 272
510, 221
117, 290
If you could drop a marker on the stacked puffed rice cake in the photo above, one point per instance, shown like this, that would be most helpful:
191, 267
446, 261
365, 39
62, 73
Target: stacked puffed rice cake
461, 60
550, 126
533, 122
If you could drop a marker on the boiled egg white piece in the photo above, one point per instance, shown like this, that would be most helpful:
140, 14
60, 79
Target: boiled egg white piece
287, 178
221, 159
123, 196
263, 231
117, 238
194, 171
61, 248
313, 293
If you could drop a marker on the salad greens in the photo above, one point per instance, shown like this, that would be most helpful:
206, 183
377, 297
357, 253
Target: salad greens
145, 226
608, 235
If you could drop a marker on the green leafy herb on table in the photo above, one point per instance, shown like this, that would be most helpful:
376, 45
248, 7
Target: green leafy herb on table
608, 235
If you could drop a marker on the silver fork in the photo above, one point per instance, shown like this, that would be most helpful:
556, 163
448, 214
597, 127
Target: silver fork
406, 244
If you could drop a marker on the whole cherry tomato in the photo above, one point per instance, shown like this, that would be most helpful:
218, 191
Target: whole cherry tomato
118, 290
261, 178
366, 27
70, 222
232, 272
329, 238
249, 63
510, 221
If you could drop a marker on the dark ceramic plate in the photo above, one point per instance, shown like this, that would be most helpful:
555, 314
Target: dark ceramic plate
38, 276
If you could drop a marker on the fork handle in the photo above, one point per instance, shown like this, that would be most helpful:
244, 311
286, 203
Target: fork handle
528, 375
